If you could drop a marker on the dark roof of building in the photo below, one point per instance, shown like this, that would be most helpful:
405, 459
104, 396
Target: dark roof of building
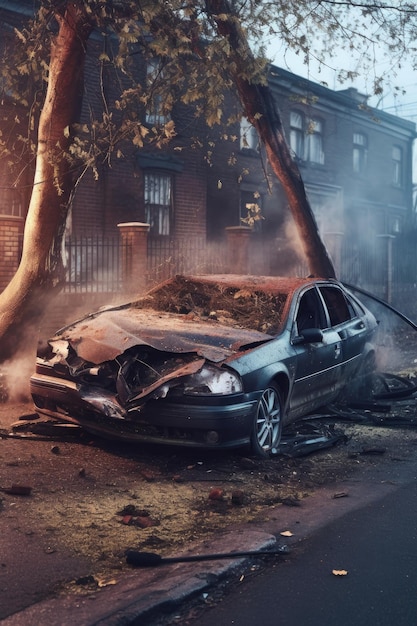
349, 98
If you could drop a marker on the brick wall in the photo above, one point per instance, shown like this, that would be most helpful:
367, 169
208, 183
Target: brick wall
11, 230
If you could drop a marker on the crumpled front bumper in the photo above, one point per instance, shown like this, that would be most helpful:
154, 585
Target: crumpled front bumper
205, 421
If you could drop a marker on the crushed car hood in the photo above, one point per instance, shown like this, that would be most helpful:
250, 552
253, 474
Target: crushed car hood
105, 335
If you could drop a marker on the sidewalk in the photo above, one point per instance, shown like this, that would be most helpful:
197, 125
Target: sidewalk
147, 592
78, 488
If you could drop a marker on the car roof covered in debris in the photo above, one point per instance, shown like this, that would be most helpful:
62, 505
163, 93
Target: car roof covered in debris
273, 285
214, 316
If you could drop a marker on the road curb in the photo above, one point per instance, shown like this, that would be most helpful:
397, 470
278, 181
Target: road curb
146, 591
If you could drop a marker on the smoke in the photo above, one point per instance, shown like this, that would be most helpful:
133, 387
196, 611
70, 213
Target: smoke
286, 253
15, 378
293, 238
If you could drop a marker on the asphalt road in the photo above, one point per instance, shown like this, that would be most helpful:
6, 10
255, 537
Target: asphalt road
377, 547
37, 533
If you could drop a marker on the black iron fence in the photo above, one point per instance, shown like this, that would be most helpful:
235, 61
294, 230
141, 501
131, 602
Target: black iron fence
93, 264
167, 257
387, 267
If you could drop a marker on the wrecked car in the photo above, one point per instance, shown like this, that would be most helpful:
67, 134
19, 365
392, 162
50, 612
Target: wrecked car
210, 361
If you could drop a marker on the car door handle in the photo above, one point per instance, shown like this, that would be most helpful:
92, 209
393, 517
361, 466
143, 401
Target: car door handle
359, 325
337, 350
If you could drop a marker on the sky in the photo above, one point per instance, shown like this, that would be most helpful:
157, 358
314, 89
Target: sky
392, 101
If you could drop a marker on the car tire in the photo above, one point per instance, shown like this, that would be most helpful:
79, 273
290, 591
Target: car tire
267, 426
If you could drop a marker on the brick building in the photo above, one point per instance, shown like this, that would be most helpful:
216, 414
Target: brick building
356, 163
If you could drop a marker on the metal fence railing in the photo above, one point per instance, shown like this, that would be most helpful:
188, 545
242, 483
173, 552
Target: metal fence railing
93, 264
167, 257
387, 267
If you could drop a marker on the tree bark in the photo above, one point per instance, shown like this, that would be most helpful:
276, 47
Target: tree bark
26, 296
261, 110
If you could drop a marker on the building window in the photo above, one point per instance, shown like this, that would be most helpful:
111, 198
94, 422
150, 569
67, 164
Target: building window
154, 109
306, 138
249, 139
158, 201
315, 142
360, 152
397, 166
11, 203
395, 225
297, 134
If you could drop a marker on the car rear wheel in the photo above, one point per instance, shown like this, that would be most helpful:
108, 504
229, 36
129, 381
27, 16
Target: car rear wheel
267, 427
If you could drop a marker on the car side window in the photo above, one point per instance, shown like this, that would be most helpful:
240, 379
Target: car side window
338, 307
310, 312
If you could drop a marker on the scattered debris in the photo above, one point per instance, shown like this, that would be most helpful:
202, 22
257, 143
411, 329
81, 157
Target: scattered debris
216, 494
340, 494
381, 386
183, 510
303, 438
151, 559
238, 497
105, 582
130, 515
339, 572
17, 490
248, 464
86, 580
43, 429
291, 501
395, 387
373, 451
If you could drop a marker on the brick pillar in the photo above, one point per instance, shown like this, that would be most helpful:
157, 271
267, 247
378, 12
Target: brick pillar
238, 238
134, 238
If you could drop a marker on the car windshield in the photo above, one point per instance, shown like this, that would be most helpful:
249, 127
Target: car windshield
241, 306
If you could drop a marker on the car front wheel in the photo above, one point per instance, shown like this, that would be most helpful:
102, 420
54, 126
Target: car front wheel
267, 428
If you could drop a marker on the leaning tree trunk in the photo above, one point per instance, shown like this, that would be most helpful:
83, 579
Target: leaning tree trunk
262, 112
26, 296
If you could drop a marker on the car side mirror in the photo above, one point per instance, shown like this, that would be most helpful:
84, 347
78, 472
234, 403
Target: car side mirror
309, 335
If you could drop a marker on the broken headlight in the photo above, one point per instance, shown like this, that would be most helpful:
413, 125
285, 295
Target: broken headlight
212, 379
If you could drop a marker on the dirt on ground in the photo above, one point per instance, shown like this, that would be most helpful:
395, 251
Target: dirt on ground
93, 498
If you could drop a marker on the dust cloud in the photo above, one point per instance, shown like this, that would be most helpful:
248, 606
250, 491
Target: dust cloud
15, 375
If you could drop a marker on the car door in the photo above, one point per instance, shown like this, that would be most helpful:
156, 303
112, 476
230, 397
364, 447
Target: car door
349, 326
317, 362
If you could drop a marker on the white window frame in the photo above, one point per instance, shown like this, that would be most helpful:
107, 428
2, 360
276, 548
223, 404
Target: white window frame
157, 189
297, 134
315, 141
359, 153
11, 203
397, 166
